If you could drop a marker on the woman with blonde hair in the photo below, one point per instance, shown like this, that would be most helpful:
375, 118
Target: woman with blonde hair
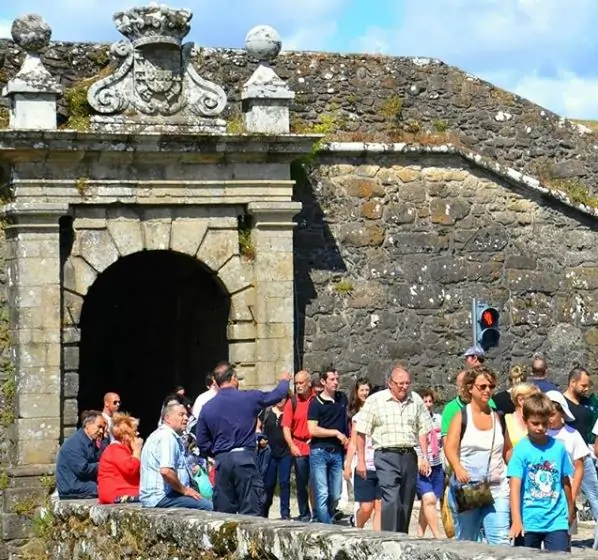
119, 468
516, 426
502, 400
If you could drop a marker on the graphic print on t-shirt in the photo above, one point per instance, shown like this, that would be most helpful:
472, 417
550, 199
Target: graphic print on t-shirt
543, 481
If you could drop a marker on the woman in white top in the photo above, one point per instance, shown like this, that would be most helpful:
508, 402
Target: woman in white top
477, 449
367, 491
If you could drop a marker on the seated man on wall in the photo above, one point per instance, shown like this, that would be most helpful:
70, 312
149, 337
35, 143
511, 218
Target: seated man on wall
165, 474
78, 458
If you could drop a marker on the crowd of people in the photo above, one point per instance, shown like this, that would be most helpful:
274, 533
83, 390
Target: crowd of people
505, 467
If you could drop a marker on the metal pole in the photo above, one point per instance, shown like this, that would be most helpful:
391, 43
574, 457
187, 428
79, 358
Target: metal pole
474, 310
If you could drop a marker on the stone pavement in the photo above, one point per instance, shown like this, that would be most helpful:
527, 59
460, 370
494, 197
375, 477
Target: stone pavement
583, 539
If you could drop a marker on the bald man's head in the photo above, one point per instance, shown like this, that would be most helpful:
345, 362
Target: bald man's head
111, 403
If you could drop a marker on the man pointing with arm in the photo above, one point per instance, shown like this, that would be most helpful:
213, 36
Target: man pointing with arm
226, 430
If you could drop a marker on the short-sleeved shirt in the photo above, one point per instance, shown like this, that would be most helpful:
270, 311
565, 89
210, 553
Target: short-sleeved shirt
576, 447
434, 442
332, 415
391, 423
296, 421
450, 409
583, 418
163, 450
272, 430
541, 469
369, 450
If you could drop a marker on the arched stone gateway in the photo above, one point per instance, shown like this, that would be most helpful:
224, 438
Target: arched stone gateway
152, 298
151, 320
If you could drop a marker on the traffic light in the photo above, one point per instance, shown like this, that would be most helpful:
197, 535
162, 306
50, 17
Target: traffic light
487, 333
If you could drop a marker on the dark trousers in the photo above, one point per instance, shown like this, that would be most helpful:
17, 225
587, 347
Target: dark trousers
302, 479
279, 470
554, 541
397, 477
239, 486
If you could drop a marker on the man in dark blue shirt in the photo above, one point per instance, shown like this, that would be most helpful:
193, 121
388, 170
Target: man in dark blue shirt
226, 430
78, 458
328, 424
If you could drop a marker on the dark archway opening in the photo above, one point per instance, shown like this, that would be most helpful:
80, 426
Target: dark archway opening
151, 321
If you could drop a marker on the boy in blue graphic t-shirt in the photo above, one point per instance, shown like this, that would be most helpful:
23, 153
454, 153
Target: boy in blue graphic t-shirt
542, 506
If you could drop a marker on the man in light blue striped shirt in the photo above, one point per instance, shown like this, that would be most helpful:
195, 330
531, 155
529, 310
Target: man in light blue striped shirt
165, 475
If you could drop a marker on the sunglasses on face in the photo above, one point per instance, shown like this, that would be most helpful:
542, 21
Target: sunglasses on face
485, 387
115, 402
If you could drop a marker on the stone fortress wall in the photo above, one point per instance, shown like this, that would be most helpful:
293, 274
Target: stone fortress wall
356, 277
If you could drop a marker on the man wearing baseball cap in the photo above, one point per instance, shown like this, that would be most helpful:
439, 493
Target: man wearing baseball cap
474, 356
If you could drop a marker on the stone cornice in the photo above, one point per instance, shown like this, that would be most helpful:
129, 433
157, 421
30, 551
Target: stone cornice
225, 147
504, 172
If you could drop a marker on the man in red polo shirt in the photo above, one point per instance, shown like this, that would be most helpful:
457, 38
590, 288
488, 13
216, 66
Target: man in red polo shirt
296, 434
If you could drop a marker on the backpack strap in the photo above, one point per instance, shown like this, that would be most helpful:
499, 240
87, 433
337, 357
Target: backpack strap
501, 420
463, 421
294, 403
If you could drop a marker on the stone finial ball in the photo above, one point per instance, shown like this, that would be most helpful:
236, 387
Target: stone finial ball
263, 43
31, 33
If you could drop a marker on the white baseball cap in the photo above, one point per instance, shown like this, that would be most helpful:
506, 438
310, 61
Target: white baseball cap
558, 398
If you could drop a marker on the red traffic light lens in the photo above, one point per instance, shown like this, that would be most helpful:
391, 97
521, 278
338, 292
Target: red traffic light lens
488, 319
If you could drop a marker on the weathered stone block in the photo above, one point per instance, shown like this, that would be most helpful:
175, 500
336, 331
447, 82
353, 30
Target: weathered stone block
70, 358
156, 233
37, 271
186, 235
271, 267
39, 379
241, 331
81, 275
70, 385
521, 281
583, 278
70, 412
367, 234
242, 352
217, 247
399, 214
360, 187
241, 305
419, 296
38, 405
532, 309
418, 242
236, 275
449, 211
126, 234
97, 248
16, 527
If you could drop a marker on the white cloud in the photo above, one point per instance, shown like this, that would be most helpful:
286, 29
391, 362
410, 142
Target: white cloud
541, 49
575, 97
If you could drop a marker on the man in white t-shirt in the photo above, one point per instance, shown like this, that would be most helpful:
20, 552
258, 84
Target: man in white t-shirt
206, 396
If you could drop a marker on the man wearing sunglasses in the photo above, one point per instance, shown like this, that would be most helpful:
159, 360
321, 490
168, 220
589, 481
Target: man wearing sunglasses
111, 405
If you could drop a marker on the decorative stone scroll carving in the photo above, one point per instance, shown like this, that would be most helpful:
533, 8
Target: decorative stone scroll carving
155, 82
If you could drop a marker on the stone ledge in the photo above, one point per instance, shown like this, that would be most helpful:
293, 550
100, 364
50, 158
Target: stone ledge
130, 532
507, 173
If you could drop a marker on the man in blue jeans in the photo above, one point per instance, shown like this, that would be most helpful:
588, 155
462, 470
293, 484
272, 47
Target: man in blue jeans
328, 425
165, 475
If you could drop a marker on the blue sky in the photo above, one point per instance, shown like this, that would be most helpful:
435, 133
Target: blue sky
545, 50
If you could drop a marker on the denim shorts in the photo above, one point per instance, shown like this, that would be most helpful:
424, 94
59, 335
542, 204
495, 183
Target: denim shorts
366, 489
433, 484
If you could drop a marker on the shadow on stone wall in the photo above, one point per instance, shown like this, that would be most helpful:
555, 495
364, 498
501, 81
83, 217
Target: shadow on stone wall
317, 255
